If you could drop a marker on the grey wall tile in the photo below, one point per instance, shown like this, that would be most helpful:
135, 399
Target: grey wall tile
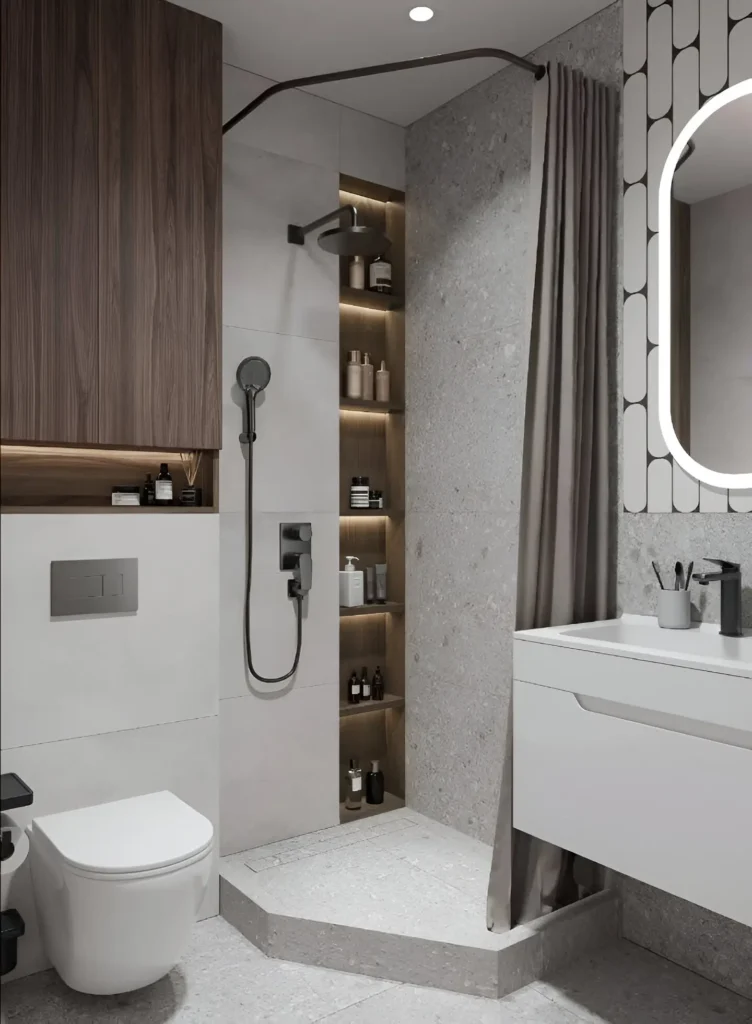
711, 945
468, 247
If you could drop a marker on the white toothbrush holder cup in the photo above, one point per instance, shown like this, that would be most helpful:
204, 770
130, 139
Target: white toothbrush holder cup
674, 609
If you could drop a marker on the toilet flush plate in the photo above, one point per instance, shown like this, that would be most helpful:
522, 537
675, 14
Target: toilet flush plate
93, 586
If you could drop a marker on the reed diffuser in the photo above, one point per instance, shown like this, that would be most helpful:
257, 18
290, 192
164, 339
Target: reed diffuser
191, 495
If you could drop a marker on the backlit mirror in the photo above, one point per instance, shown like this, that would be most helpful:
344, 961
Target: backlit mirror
705, 292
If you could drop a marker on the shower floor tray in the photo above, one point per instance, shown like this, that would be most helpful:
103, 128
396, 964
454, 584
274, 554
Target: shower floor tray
403, 898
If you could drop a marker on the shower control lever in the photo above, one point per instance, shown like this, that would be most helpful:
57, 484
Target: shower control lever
295, 556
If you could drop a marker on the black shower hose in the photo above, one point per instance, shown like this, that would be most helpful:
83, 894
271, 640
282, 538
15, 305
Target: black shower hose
249, 566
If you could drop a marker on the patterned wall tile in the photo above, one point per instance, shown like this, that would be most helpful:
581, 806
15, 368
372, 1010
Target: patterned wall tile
676, 54
713, 45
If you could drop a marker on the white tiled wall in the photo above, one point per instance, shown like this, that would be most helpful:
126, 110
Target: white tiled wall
279, 743
101, 708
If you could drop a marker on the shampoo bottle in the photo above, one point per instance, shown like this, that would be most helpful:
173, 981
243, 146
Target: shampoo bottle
350, 584
375, 784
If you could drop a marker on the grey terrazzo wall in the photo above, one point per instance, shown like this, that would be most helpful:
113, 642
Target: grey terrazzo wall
468, 243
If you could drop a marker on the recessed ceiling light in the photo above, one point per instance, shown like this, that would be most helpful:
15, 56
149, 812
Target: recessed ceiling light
421, 13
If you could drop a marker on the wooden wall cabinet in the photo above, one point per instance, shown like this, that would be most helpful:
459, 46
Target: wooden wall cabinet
111, 217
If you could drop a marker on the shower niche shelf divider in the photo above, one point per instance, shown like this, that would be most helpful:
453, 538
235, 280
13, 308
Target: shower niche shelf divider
372, 444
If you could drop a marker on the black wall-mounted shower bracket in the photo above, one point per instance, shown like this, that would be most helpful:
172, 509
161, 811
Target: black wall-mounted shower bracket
538, 70
296, 234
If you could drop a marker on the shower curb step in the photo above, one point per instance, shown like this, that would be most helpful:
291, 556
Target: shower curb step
526, 954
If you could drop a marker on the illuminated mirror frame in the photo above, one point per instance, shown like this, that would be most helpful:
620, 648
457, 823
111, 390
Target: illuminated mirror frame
732, 481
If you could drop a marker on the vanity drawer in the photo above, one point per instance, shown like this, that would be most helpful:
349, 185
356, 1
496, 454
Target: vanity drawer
667, 807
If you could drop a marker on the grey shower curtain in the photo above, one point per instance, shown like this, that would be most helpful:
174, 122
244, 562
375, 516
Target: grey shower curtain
564, 566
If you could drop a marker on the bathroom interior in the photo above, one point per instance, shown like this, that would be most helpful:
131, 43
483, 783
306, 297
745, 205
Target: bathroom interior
376, 496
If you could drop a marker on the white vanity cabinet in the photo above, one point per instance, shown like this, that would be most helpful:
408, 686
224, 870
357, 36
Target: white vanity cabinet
633, 747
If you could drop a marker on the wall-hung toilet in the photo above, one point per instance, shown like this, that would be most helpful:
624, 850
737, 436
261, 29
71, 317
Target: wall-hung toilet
118, 887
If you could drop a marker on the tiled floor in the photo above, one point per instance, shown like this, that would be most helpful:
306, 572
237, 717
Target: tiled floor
399, 872
223, 979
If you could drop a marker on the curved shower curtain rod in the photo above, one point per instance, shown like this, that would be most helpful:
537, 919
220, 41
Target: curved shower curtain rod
538, 70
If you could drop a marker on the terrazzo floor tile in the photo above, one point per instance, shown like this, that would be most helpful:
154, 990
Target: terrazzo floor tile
424, 880
430, 1006
222, 979
629, 985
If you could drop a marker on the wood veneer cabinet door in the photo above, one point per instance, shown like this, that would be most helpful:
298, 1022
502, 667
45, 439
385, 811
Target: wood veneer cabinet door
160, 149
48, 221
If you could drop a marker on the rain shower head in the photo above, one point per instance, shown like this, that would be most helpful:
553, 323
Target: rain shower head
253, 374
349, 239
355, 240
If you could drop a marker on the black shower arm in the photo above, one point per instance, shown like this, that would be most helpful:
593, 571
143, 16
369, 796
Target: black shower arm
538, 70
297, 234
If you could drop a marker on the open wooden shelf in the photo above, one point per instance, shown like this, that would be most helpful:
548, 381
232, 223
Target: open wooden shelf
393, 607
365, 405
366, 706
369, 300
391, 803
345, 512
56, 480
146, 510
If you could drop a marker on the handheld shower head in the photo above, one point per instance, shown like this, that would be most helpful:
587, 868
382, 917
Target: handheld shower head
253, 374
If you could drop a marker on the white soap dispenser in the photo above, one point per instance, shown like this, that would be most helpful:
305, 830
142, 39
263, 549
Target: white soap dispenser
351, 584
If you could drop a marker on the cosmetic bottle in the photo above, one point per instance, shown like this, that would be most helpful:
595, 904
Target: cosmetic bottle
375, 499
368, 371
163, 486
354, 798
375, 784
359, 492
148, 494
370, 585
365, 685
353, 689
382, 383
380, 275
357, 273
377, 685
350, 584
380, 584
354, 375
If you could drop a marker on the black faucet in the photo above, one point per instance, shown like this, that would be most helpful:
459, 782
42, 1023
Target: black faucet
730, 578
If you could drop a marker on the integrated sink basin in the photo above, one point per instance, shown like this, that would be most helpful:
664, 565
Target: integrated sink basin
638, 636
633, 747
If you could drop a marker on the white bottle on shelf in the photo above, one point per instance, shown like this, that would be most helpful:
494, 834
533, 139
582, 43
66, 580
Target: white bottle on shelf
354, 383
351, 584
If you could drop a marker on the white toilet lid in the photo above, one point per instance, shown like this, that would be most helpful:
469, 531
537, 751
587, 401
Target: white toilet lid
138, 834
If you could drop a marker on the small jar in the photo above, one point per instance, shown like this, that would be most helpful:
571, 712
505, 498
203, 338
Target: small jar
359, 493
375, 499
354, 381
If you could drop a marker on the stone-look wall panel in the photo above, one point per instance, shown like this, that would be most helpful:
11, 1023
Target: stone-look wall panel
468, 241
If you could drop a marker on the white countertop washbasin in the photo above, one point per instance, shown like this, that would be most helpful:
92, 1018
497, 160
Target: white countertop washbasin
640, 637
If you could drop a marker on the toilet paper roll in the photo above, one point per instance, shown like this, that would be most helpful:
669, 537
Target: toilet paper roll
9, 867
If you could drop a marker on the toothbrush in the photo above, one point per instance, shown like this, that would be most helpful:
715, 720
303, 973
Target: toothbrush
678, 576
690, 567
658, 574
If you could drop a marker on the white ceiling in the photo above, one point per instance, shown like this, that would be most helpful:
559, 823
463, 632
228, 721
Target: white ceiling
283, 39
722, 161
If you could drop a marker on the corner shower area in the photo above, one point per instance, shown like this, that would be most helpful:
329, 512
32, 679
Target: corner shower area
389, 892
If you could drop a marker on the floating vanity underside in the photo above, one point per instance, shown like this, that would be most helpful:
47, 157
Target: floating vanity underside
638, 761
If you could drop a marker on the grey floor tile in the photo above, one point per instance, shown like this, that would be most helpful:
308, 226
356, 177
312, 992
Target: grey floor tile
406, 1004
628, 985
222, 979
